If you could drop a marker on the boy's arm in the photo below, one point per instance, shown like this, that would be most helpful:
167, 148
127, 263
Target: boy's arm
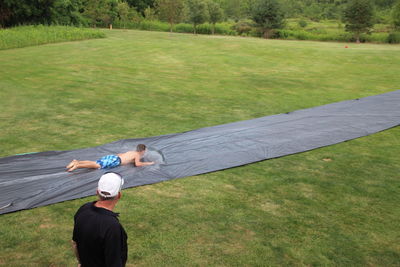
138, 163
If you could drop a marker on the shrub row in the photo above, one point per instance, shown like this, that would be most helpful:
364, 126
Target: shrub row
148, 25
35, 35
394, 38
314, 34
335, 36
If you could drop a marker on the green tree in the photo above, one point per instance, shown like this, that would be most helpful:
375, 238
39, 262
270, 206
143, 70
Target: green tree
170, 11
123, 12
268, 15
396, 16
141, 5
134, 16
197, 12
215, 14
386, 4
67, 12
150, 14
359, 16
113, 10
101, 12
235, 9
314, 11
5, 14
92, 11
14, 12
294, 8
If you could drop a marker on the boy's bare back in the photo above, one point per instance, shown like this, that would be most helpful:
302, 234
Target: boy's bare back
129, 157
133, 157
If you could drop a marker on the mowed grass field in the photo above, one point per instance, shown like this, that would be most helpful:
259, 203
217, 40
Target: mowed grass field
334, 206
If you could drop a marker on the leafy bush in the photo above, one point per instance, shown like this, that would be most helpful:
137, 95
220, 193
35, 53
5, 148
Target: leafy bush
243, 27
153, 25
379, 37
183, 28
293, 34
395, 16
303, 23
394, 38
206, 28
316, 30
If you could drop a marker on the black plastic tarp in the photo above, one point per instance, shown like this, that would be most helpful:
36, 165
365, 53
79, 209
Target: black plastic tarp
39, 179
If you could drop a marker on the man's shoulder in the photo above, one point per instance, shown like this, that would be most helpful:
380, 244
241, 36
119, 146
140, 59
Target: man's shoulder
84, 208
90, 212
110, 222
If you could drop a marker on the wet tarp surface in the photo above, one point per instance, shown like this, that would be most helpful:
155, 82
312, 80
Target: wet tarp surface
39, 179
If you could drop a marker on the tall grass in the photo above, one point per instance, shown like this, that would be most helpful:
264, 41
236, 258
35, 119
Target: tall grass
35, 35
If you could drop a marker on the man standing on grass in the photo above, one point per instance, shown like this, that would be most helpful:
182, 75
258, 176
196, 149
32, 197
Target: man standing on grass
98, 238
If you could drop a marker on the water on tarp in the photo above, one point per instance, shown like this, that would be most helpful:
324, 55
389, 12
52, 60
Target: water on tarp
153, 155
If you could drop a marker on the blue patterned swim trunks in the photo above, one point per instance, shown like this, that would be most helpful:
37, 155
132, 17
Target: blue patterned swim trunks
109, 161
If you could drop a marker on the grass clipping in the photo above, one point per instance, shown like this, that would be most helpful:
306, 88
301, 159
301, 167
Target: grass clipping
36, 35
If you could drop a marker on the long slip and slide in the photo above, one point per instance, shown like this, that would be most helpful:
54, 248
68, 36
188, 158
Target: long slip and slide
33, 180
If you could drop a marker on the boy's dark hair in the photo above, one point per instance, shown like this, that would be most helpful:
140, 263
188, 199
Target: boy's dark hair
140, 148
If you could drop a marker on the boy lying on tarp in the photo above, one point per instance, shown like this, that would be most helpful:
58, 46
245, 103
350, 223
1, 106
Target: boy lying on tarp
111, 161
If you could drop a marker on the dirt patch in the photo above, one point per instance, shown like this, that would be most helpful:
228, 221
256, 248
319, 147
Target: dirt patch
246, 234
229, 186
165, 193
271, 208
46, 226
239, 237
306, 189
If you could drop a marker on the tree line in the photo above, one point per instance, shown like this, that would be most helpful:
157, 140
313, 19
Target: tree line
266, 15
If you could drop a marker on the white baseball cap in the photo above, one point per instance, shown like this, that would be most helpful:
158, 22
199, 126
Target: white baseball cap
110, 184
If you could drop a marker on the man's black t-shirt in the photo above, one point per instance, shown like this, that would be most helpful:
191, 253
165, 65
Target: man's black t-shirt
100, 238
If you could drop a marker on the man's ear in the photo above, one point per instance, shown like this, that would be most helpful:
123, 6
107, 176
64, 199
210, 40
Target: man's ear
119, 195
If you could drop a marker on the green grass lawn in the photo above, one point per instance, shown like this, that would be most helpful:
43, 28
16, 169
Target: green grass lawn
334, 206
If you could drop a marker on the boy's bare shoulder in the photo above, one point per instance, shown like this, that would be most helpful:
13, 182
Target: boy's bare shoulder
132, 152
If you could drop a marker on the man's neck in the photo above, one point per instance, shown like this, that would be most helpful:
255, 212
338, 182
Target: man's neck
107, 204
